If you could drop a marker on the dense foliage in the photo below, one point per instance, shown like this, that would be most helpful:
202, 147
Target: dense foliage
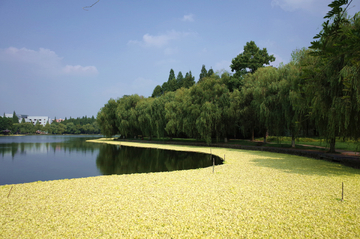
6, 123
317, 93
83, 125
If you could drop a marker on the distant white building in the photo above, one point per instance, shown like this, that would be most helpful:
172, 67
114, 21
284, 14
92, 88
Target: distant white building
42, 119
32, 119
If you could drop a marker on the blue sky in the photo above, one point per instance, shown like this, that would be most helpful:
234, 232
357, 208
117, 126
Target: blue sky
58, 60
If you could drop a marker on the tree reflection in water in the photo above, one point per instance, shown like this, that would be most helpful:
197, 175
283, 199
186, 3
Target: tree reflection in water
125, 160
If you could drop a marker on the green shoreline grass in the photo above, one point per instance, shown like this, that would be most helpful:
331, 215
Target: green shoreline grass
254, 194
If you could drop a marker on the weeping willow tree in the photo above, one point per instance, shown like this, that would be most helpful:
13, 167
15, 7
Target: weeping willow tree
143, 111
210, 103
126, 115
106, 118
265, 89
333, 82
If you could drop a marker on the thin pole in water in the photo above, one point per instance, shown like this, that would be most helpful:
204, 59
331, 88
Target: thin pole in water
213, 164
213, 160
10, 191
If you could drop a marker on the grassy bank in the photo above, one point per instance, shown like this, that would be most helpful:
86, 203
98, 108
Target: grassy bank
254, 194
314, 143
349, 145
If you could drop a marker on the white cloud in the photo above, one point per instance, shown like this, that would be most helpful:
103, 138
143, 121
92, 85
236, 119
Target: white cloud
223, 65
278, 60
159, 40
44, 58
43, 62
80, 69
314, 6
188, 18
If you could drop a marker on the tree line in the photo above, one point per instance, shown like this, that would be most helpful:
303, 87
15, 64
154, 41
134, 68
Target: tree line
317, 92
83, 125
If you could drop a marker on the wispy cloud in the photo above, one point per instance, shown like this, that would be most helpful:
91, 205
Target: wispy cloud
314, 6
68, 69
278, 60
41, 62
223, 65
159, 40
188, 18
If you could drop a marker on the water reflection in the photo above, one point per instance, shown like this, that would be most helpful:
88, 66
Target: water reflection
125, 160
69, 144
34, 158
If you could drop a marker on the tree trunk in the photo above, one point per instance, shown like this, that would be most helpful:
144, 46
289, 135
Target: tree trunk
225, 139
307, 129
265, 134
252, 135
293, 141
332, 145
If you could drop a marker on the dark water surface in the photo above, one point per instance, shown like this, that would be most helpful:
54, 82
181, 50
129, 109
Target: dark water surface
50, 157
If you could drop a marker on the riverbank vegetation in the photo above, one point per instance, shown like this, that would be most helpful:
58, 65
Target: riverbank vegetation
83, 125
254, 194
315, 94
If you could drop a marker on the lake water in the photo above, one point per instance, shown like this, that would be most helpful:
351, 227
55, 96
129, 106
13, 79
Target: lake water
50, 157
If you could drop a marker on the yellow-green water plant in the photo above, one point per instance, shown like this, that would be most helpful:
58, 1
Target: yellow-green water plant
253, 195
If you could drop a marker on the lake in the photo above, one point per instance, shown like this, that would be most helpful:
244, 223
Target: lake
49, 157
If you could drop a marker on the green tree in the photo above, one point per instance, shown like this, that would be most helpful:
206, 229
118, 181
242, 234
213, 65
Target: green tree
126, 116
47, 127
38, 126
6, 123
27, 128
267, 100
88, 129
165, 87
210, 72
16, 127
210, 102
179, 80
61, 128
292, 94
96, 127
172, 85
157, 91
15, 118
171, 75
203, 73
158, 113
189, 80
70, 128
54, 128
176, 112
333, 82
106, 118
144, 116
251, 59
244, 109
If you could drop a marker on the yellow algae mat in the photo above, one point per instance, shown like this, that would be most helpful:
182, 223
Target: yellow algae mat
254, 194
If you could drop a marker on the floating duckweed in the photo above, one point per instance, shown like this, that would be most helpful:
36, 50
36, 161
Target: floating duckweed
255, 194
